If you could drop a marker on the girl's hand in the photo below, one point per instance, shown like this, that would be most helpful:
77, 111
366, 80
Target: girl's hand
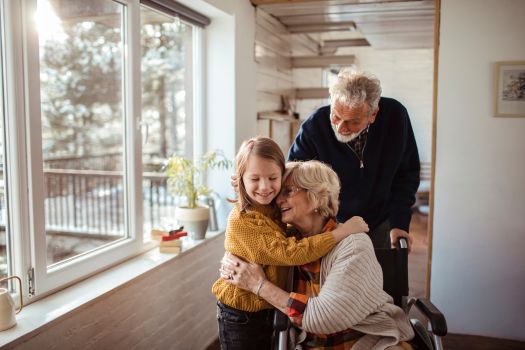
355, 224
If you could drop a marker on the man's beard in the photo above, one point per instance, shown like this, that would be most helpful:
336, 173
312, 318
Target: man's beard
345, 138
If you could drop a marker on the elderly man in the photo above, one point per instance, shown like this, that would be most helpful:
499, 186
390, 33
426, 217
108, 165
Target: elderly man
368, 140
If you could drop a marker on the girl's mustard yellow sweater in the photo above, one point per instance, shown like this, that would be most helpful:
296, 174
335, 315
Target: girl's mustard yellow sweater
256, 236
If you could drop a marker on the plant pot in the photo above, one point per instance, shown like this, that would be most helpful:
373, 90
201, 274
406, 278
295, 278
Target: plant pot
195, 221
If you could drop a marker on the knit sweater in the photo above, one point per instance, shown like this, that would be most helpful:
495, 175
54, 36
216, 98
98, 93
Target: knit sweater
255, 236
385, 187
352, 296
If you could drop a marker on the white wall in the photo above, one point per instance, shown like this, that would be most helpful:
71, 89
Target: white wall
245, 72
478, 264
220, 91
231, 74
230, 80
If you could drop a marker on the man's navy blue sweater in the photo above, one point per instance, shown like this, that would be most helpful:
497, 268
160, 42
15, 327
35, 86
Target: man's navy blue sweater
385, 188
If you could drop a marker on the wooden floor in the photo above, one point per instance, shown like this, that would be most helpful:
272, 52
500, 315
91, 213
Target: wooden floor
417, 259
470, 342
457, 342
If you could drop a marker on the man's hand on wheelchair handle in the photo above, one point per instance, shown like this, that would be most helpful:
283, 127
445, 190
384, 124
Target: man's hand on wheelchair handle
396, 233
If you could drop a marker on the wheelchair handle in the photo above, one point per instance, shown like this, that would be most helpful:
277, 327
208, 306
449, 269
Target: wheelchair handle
402, 243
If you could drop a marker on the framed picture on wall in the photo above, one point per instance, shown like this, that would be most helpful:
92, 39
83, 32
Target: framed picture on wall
509, 95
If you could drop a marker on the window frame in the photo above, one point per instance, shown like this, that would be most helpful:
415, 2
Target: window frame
15, 167
3, 136
26, 215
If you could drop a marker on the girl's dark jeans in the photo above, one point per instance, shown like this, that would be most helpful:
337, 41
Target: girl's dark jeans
241, 330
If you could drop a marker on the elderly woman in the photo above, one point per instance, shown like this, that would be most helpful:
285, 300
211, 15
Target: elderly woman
337, 301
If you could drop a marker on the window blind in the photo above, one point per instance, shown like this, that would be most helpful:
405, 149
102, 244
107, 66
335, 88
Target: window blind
176, 9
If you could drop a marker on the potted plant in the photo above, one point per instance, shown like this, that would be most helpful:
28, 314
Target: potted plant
186, 179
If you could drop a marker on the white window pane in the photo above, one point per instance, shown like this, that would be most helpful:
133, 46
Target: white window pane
166, 45
81, 81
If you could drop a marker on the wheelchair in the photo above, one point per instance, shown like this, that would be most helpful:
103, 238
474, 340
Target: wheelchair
394, 263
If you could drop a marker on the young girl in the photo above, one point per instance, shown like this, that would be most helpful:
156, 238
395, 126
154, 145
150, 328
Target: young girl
255, 233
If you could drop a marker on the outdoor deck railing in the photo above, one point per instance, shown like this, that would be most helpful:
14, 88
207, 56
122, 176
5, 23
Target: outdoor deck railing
89, 201
80, 200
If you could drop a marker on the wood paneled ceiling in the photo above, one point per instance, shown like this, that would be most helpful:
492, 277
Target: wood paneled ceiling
386, 24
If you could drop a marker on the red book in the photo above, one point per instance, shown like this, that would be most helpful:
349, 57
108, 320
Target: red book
175, 236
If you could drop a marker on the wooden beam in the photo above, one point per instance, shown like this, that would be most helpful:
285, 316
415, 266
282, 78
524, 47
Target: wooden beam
275, 115
345, 43
311, 93
334, 8
332, 2
273, 2
321, 27
329, 47
322, 61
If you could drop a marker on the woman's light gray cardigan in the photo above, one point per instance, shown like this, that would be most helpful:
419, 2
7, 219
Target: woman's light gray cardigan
352, 296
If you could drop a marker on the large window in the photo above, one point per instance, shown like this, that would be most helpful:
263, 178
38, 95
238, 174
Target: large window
166, 51
103, 97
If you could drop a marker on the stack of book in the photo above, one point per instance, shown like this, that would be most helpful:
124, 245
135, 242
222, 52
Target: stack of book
170, 242
157, 234
170, 246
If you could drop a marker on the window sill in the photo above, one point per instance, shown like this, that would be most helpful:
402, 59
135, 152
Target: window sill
42, 313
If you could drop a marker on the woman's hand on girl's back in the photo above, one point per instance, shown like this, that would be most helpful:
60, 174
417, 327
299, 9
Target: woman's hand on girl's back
240, 273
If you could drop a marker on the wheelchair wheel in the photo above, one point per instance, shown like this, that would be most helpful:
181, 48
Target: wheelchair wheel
421, 339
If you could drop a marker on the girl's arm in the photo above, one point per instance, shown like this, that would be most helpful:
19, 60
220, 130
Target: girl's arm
264, 242
258, 239
355, 224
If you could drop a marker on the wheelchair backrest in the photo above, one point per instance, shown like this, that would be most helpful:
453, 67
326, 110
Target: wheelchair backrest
394, 263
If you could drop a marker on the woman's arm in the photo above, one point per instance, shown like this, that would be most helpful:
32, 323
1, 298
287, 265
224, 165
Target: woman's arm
251, 277
351, 291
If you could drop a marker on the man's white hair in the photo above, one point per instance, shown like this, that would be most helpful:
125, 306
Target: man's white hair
353, 87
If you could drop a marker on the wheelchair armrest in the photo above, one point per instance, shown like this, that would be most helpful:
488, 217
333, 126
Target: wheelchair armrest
436, 318
280, 321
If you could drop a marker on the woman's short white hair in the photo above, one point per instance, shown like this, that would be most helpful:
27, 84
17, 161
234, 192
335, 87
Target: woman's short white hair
353, 87
320, 182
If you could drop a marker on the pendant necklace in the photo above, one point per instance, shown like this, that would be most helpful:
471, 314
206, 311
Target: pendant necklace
360, 157
361, 164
